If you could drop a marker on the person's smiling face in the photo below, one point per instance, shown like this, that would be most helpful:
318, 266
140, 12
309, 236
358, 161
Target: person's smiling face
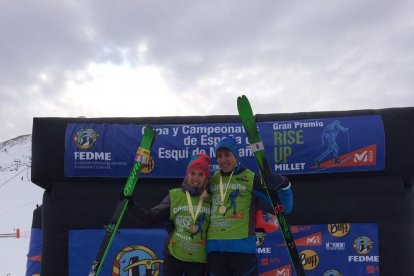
196, 179
226, 160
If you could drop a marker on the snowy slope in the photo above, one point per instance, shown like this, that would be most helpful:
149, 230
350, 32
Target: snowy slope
18, 199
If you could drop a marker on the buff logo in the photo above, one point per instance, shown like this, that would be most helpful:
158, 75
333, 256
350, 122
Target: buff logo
310, 259
149, 167
85, 138
136, 260
339, 229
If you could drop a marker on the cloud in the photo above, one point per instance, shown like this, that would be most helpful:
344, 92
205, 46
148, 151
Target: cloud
292, 57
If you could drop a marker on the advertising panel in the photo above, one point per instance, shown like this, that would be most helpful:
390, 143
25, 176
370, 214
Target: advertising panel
325, 145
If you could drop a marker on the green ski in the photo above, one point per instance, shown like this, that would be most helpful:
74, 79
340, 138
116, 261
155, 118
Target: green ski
142, 158
256, 145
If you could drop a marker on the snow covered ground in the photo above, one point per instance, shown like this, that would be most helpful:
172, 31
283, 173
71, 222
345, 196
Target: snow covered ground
18, 199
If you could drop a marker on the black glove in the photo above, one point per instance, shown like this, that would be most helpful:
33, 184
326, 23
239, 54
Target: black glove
130, 199
274, 182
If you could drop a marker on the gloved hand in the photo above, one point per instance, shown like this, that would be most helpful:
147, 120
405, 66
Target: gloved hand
131, 201
274, 182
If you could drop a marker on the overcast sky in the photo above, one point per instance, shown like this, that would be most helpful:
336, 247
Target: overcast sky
137, 58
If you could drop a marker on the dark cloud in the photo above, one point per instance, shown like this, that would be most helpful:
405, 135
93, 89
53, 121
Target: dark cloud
325, 53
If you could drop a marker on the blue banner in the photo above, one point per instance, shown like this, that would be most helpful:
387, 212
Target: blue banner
325, 145
125, 257
329, 250
34, 256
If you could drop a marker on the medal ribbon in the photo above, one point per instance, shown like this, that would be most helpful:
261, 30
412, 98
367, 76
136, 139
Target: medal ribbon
223, 194
190, 205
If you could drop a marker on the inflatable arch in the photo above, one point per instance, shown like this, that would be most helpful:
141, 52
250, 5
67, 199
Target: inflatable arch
332, 187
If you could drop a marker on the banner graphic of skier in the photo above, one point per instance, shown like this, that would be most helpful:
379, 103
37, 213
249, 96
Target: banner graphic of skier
327, 145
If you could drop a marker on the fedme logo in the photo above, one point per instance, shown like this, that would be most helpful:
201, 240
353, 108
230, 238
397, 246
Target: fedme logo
85, 138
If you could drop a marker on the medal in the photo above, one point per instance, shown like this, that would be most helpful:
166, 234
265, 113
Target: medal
194, 228
222, 208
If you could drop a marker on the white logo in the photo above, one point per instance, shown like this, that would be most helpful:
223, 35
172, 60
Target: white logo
335, 246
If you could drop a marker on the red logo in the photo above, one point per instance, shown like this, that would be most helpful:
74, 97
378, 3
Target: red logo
372, 269
313, 239
281, 271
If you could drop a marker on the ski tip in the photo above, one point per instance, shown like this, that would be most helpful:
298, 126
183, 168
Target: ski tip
243, 98
242, 101
149, 128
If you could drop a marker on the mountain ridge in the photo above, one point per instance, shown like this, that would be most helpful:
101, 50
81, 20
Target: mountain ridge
15, 153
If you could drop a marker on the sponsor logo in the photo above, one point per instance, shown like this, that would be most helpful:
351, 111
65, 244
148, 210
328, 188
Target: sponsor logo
365, 156
283, 271
335, 246
280, 271
260, 237
242, 178
300, 228
332, 272
363, 245
264, 250
372, 269
85, 138
363, 259
136, 260
310, 259
313, 239
264, 261
149, 167
339, 229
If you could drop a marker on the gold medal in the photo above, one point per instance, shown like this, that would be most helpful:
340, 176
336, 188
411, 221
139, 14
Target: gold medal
194, 228
222, 209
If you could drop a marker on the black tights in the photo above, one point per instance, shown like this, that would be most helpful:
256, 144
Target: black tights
232, 264
175, 267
